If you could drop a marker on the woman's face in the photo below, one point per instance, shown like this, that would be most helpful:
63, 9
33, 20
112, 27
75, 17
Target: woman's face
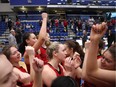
107, 62
61, 52
47, 40
47, 37
15, 55
7, 77
68, 50
32, 39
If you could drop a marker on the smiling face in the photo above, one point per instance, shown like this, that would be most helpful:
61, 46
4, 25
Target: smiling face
31, 40
15, 55
47, 37
108, 62
47, 40
7, 77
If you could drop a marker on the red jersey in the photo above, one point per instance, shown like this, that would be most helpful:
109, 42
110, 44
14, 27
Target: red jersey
87, 84
99, 56
20, 83
43, 55
65, 23
56, 22
58, 73
21, 69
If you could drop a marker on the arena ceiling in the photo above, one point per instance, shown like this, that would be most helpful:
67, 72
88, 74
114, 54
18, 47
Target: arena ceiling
58, 9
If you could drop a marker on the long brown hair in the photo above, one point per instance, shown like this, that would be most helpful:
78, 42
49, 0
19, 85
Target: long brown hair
6, 51
112, 50
76, 48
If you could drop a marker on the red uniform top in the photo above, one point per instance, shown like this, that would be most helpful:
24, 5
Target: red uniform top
99, 56
21, 69
58, 73
20, 83
42, 55
56, 22
113, 21
65, 23
87, 84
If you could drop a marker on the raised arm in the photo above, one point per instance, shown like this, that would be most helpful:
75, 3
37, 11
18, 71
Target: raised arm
31, 53
41, 36
84, 76
42, 33
36, 67
92, 68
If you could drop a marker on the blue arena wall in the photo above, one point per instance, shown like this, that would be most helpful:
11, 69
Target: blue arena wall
28, 2
47, 2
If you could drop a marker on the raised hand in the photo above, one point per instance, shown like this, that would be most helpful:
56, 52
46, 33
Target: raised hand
37, 65
87, 44
30, 50
97, 31
76, 61
44, 15
72, 63
67, 64
69, 68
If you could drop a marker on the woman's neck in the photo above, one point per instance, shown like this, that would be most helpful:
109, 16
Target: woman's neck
54, 63
43, 45
16, 64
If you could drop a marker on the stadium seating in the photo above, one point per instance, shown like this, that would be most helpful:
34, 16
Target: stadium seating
2, 27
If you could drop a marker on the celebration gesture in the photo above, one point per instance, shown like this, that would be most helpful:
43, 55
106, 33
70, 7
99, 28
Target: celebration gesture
97, 31
87, 44
30, 50
76, 61
44, 15
37, 65
72, 63
68, 65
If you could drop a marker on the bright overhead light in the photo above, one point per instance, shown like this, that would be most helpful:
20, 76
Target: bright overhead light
23, 8
39, 8
55, 10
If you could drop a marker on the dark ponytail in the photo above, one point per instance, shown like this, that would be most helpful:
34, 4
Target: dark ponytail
24, 43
